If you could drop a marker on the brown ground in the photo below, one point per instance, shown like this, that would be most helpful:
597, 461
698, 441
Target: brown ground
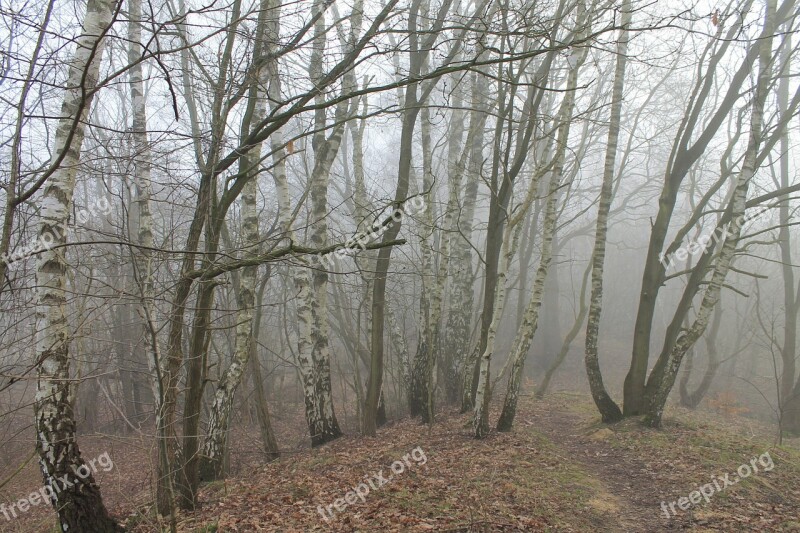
559, 470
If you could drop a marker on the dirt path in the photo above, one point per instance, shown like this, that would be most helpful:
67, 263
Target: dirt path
631, 492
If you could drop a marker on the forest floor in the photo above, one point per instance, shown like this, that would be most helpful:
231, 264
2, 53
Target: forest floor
558, 470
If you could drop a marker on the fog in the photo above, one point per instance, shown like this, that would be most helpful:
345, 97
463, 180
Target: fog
244, 235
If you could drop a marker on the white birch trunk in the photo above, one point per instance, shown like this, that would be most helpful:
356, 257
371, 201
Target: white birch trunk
326, 427
455, 170
300, 276
142, 256
311, 287
609, 410
480, 420
662, 384
212, 464
460, 302
419, 394
530, 319
213, 459
80, 506
142, 191
527, 330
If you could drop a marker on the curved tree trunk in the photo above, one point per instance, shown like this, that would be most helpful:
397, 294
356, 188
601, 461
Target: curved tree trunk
78, 504
692, 399
530, 320
212, 460
170, 368
690, 143
522, 341
663, 376
480, 419
609, 410
212, 463
188, 475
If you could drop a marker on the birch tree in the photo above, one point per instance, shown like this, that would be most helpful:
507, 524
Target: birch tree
691, 399
505, 169
419, 50
608, 409
78, 504
212, 466
315, 347
691, 141
666, 370
422, 386
208, 217
462, 275
142, 256
531, 317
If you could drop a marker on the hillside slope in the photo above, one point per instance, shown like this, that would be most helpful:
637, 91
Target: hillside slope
557, 471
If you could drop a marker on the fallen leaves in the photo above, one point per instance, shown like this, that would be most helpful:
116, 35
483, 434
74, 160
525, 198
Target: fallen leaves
548, 474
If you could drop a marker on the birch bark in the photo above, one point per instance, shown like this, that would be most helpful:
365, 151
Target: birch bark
660, 383
79, 505
530, 320
456, 164
609, 410
212, 463
462, 277
419, 394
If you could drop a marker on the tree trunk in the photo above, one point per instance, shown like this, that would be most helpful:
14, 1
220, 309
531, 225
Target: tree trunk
790, 292
663, 376
78, 503
142, 256
412, 102
480, 420
268, 441
420, 393
530, 320
682, 157
609, 410
462, 277
213, 462
501, 189
313, 347
550, 341
522, 341
692, 399
323, 422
